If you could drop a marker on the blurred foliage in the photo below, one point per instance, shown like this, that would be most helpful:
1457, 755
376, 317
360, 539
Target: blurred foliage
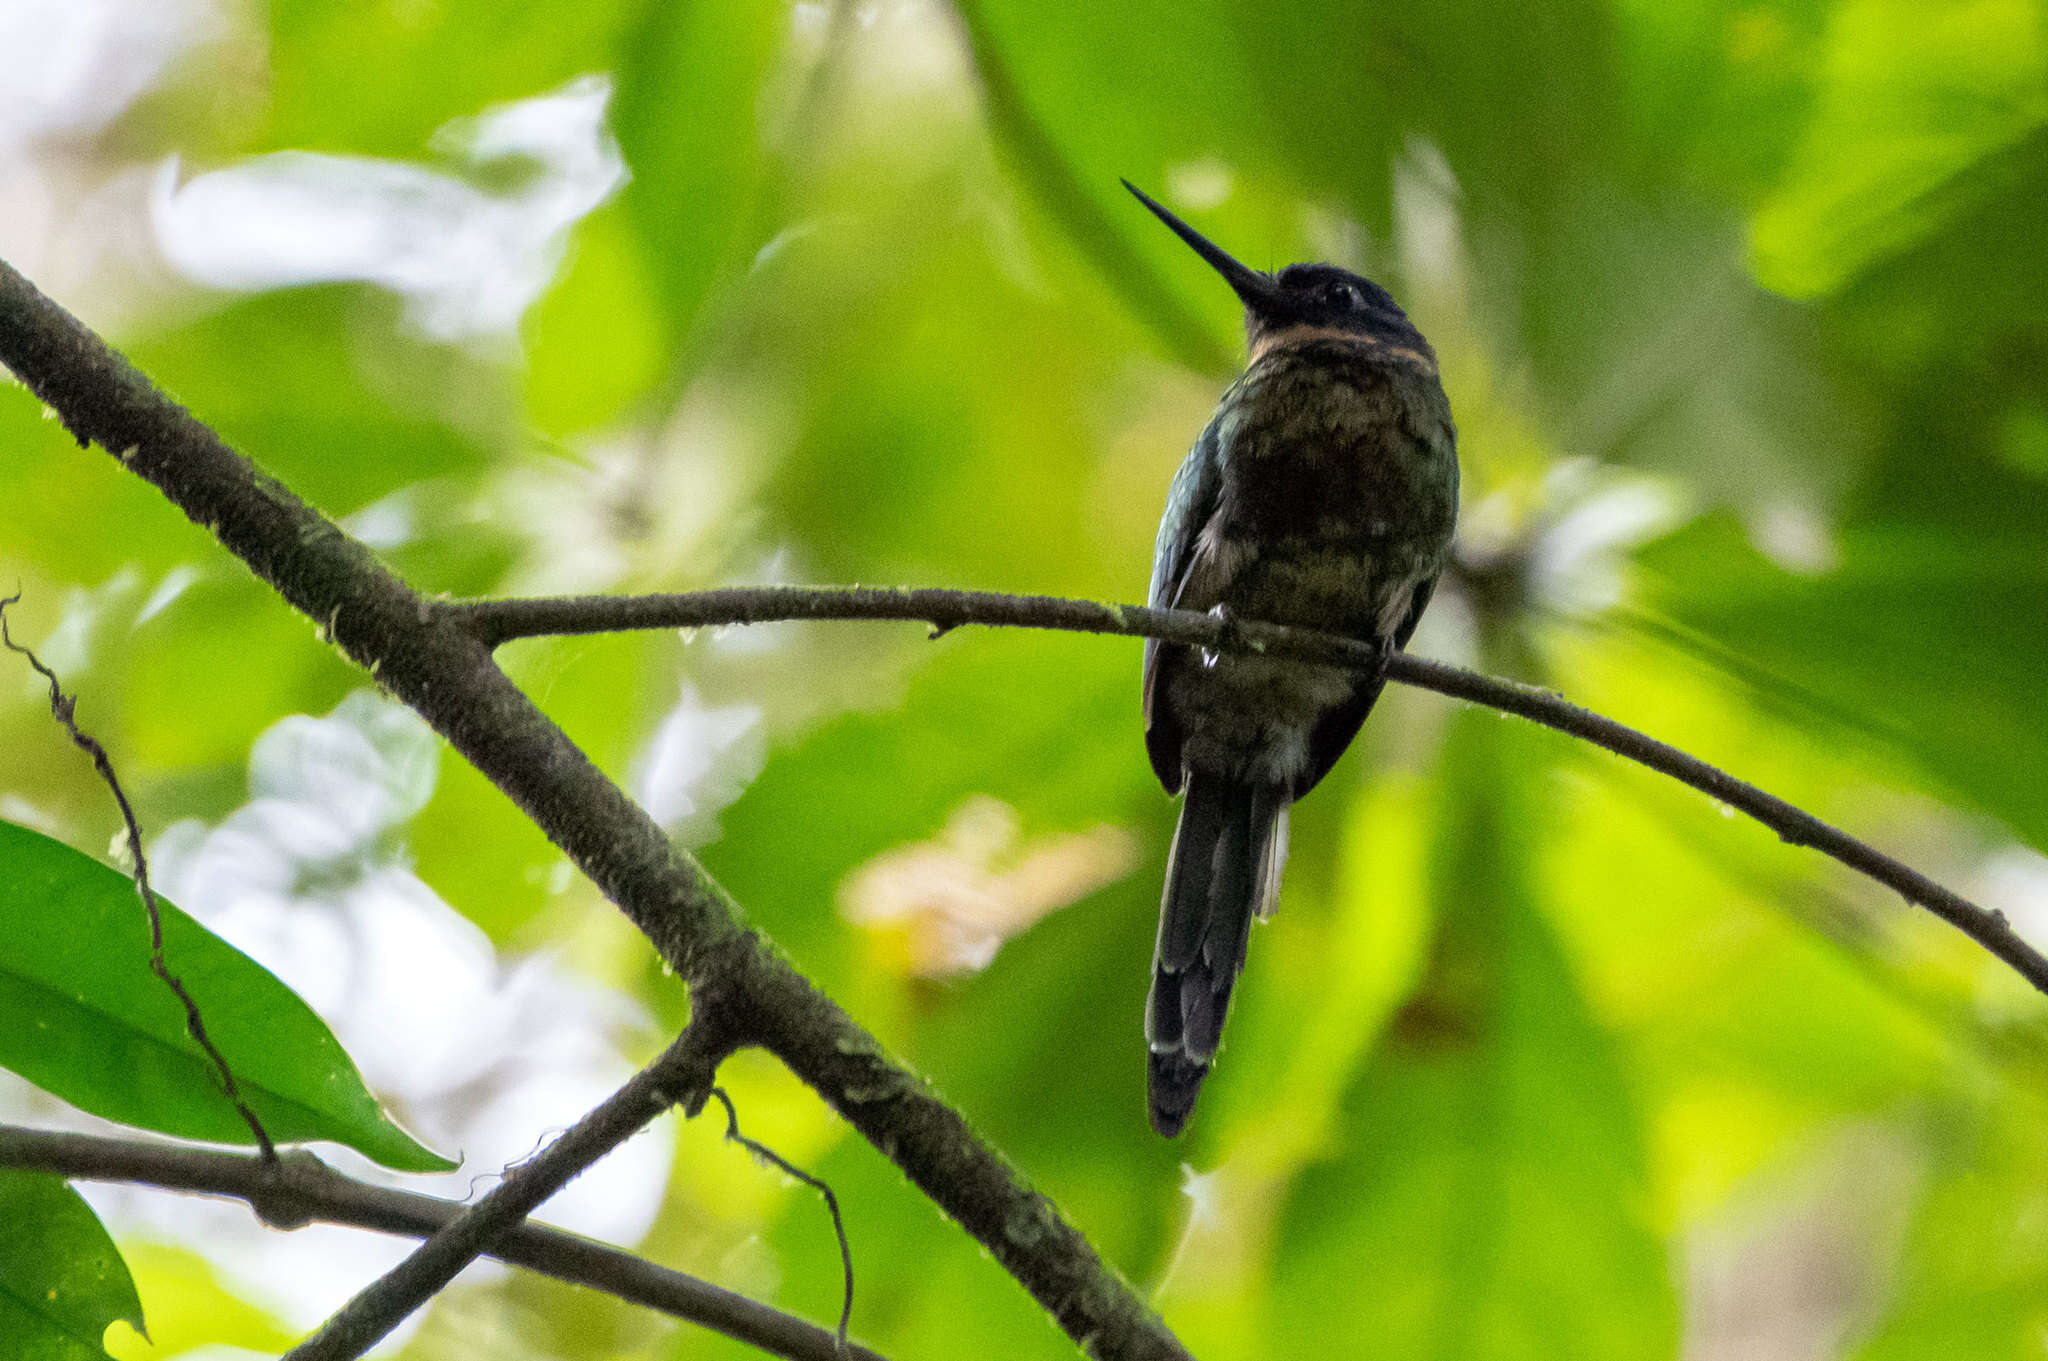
1741, 311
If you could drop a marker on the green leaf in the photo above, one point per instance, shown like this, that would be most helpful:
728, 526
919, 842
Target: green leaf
62, 1281
82, 1016
1489, 1198
594, 341
2000, 1323
946, 742
171, 664
1958, 281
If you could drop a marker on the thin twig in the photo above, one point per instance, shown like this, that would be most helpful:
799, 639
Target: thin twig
299, 1189
63, 708
499, 621
769, 1155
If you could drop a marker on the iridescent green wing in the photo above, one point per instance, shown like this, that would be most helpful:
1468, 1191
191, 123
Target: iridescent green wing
1189, 503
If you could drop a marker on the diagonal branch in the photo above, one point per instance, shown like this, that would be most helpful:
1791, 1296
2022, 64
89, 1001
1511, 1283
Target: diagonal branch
422, 654
500, 621
681, 1075
299, 1189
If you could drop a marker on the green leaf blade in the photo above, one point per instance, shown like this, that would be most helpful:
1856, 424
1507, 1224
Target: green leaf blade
83, 1017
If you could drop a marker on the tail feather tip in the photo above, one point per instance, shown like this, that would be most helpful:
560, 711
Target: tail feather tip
1174, 1082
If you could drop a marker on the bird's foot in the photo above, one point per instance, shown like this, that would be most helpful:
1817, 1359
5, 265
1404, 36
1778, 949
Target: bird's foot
1227, 637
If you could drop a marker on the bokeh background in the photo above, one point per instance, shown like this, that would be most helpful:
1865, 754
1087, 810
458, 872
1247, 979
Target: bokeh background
1744, 315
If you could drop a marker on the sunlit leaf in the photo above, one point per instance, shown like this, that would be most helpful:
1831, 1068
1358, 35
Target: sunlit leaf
1957, 285
593, 343
325, 389
190, 1306
62, 1281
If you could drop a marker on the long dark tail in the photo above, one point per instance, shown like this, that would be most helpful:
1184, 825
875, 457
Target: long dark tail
1225, 867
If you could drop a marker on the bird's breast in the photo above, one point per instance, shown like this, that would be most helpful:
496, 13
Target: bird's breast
1334, 444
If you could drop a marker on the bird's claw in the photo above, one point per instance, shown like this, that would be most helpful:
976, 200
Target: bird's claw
1228, 638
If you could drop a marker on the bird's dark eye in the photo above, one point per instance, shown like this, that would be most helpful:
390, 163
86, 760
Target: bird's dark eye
1343, 295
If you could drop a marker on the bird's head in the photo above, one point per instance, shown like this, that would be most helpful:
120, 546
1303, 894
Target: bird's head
1303, 302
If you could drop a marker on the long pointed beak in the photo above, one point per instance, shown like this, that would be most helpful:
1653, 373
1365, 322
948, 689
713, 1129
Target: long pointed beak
1257, 290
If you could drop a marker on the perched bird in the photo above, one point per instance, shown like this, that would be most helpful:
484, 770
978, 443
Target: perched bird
1322, 494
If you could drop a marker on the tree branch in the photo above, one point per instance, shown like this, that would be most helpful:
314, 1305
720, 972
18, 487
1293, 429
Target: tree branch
499, 621
682, 1075
425, 656
299, 1189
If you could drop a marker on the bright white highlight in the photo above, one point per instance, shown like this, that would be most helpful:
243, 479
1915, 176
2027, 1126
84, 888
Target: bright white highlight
468, 261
